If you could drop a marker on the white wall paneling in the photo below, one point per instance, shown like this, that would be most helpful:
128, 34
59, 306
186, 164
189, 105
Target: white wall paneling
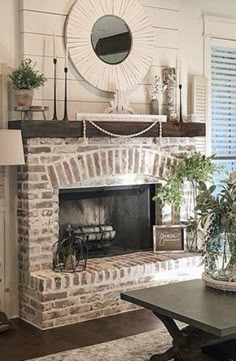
163, 18
166, 44
163, 4
62, 6
42, 23
40, 18
45, 65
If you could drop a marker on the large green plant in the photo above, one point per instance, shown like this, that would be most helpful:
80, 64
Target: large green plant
217, 214
195, 168
26, 77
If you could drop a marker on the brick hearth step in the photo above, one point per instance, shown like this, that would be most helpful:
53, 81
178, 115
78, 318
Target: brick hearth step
52, 299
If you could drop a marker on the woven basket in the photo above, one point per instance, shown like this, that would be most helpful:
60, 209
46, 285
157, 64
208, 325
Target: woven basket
219, 285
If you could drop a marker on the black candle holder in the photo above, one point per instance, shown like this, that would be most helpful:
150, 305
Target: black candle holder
65, 98
180, 104
54, 117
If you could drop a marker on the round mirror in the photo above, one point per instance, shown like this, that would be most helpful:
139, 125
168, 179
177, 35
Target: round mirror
111, 39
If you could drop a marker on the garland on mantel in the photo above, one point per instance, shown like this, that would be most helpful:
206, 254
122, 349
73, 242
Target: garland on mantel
115, 135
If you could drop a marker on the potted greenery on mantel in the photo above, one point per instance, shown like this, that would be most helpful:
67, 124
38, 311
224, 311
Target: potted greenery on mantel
194, 169
25, 79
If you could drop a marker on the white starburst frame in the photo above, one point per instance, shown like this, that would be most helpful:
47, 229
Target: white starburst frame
109, 77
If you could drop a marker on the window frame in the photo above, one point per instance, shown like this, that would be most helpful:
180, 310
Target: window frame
218, 31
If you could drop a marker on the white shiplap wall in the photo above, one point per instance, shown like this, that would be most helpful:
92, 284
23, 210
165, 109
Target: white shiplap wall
39, 19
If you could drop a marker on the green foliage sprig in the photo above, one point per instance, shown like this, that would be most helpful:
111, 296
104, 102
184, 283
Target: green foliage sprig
196, 168
26, 77
218, 214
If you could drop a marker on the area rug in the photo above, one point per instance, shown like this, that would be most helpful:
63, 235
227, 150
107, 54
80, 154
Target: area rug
134, 348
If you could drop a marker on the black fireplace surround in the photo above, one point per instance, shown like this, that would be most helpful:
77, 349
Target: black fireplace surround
112, 220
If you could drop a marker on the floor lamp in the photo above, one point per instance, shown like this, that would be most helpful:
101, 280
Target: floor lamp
11, 153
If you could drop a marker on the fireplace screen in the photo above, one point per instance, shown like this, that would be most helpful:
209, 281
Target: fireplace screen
106, 221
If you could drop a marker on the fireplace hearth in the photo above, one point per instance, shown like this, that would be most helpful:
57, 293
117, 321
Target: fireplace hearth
107, 221
62, 171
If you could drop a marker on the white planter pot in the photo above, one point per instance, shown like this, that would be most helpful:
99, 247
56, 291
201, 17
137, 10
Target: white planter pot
24, 98
155, 107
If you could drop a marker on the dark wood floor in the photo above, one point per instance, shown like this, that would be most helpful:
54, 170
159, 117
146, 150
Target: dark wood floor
27, 342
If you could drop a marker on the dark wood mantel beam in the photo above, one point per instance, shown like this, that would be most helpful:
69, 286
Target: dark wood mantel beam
74, 129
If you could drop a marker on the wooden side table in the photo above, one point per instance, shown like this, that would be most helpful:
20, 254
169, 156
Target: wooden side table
27, 113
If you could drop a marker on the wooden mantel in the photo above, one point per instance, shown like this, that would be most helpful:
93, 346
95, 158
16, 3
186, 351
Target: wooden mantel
74, 129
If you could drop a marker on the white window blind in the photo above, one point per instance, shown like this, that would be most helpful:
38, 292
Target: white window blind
223, 106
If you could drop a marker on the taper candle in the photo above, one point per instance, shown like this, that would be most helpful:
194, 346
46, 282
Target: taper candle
54, 45
66, 58
177, 70
180, 71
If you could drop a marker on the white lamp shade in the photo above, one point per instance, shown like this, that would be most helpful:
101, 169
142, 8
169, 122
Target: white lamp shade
11, 147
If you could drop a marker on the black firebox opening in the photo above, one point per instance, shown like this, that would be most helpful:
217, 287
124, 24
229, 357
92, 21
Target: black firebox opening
111, 220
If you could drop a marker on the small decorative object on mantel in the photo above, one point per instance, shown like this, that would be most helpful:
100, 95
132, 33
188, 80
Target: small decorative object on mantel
25, 79
156, 90
169, 79
27, 113
217, 215
168, 238
120, 104
65, 117
54, 117
180, 104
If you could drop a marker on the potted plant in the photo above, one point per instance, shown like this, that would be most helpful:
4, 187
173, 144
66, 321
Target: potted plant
194, 169
156, 90
25, 79
217, 214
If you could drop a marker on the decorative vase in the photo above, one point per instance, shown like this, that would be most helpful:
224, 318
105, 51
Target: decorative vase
24, 97
220, 262
155, 107
169, 78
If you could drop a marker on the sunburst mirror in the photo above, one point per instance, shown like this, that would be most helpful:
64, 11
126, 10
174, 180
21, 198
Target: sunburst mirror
110, 42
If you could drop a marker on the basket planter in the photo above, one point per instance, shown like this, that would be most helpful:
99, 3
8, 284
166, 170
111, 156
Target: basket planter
218, 285
24, 97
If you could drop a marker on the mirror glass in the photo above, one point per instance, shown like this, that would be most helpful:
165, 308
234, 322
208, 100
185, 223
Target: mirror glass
111, 39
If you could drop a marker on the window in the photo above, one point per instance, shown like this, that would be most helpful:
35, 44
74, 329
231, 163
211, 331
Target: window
223, 106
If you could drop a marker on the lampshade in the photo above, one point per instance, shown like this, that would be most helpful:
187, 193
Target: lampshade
11, 147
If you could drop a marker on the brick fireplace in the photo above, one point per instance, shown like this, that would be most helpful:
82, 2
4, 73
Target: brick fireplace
49, 299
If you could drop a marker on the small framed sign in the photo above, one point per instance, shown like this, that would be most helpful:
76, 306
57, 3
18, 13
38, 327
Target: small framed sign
168, 238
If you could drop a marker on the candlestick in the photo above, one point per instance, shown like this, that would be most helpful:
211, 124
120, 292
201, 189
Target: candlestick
55, 90
180, 104
65, 98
